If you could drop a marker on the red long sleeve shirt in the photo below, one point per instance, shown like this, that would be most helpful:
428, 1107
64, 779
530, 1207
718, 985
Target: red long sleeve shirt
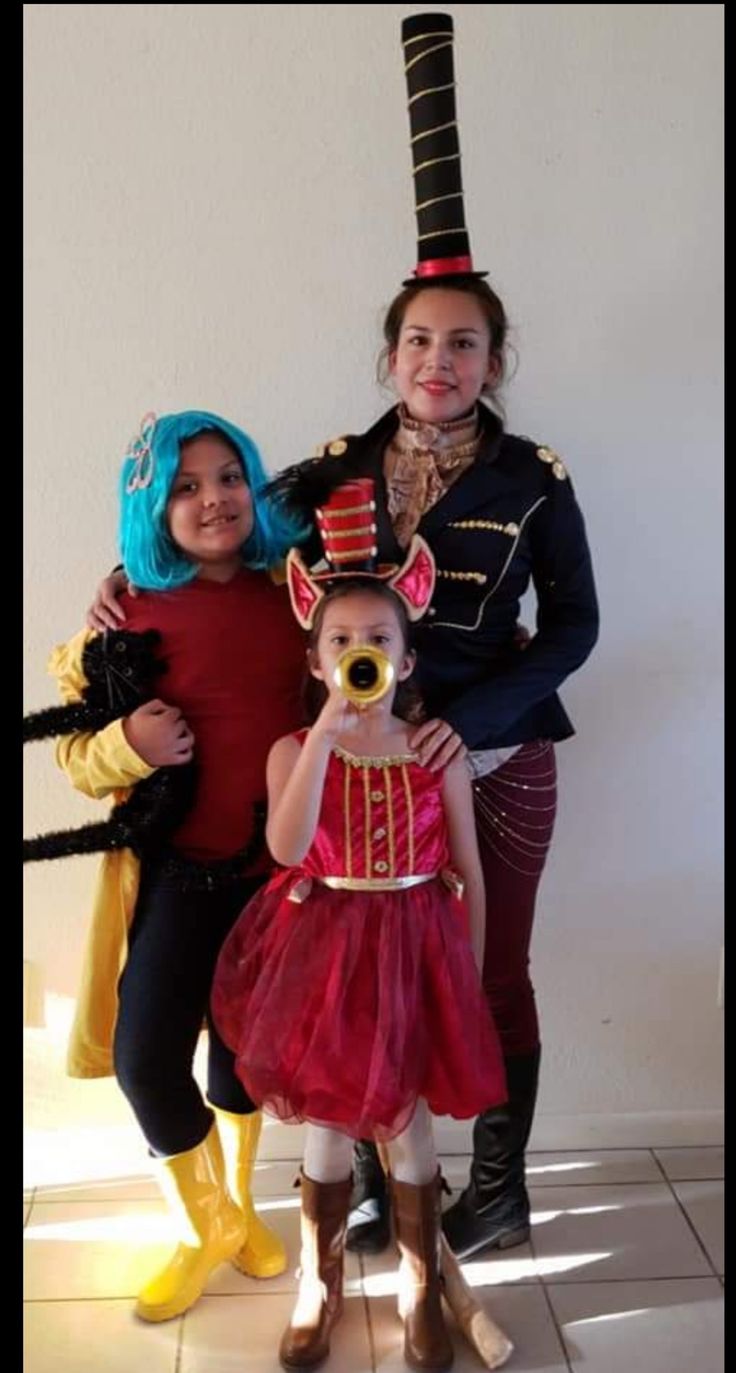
235, 658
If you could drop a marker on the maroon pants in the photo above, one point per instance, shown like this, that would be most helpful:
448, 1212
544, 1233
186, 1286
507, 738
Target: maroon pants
515, 814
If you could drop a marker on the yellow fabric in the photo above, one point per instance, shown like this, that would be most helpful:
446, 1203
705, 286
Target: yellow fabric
209, 1227
89, 1051
99, 765
263, 1254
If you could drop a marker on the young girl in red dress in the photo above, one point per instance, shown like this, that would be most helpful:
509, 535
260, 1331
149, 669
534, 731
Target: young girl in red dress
349, 989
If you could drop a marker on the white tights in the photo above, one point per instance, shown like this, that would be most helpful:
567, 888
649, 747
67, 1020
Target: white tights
412, 1158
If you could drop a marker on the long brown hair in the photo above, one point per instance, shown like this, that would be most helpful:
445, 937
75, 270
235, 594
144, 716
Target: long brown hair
493, 311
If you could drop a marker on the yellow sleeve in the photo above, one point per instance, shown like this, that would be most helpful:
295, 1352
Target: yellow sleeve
99, 763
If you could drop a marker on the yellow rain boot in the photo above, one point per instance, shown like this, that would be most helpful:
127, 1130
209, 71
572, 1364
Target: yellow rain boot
263, 1254
210, 1227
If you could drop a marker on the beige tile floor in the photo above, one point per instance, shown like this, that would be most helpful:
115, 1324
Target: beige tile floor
623, 1275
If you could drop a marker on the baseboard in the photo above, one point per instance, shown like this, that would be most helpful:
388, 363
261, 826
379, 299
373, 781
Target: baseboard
628, 1130
551, 1133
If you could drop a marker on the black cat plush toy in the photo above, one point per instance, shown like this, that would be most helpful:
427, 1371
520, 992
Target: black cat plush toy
121, 668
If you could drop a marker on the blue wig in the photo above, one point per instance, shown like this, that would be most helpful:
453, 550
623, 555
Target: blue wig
150, 557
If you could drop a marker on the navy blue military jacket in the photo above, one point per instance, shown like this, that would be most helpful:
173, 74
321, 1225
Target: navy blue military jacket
510, 518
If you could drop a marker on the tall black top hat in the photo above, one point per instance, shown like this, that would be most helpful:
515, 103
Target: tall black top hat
443, 243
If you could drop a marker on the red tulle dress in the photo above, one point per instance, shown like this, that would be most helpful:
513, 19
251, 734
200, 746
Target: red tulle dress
347, 991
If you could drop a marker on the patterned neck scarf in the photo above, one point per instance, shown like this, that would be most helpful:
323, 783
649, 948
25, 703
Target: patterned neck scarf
420, 464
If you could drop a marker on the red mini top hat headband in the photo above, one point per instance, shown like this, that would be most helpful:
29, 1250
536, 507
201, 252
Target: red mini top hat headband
346, 524
443, 243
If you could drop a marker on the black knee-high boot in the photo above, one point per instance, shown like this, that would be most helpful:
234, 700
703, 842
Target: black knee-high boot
493, 1211
369, 1220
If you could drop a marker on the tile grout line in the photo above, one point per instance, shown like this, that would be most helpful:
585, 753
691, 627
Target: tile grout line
540, 1189
41, 1200
95, 1201
558, 1328
79, 1300
367, 1310
714, 1177
232, 1296
535, 1255
558, 1281
599, 1149
635, 1282
509, 1283
180, 1344
688, 1221
36, 1194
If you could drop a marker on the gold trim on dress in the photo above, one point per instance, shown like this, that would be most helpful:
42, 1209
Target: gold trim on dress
348, 831
355, 760
409, 813
390, 821
377, 883
367, 820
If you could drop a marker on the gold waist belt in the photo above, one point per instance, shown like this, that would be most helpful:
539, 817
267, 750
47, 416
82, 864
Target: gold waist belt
377, 883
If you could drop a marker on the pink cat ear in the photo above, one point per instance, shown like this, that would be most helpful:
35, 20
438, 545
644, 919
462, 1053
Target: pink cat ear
304, 594
414, 581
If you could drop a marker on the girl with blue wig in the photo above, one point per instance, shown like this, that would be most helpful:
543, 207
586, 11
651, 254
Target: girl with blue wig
150, 555
202, 546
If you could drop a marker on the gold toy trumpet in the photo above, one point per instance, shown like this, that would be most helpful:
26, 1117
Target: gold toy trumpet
363, 675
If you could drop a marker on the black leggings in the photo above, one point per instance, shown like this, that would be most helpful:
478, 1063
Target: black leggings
164, 994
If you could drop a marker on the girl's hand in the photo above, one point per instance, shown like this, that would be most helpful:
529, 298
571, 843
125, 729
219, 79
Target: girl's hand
522, 637
436, 744
337, 716
105, 611
159, 734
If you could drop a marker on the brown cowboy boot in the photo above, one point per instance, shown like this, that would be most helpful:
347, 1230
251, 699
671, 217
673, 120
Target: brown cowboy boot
417, 1219
306, 1341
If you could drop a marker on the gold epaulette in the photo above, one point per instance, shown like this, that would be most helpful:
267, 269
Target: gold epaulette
334, 449
555, 461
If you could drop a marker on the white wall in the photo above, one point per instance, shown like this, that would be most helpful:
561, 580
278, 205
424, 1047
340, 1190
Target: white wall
218, 208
